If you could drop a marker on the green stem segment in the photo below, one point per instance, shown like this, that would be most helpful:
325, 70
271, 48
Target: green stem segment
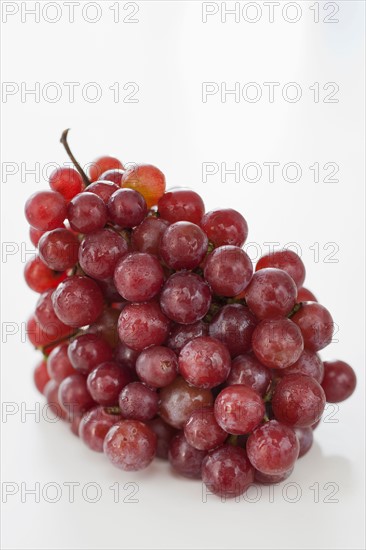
64, 142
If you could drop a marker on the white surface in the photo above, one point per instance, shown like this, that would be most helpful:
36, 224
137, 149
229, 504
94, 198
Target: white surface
169, 53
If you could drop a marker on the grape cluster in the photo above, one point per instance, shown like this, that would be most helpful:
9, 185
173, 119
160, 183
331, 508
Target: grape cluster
159, 340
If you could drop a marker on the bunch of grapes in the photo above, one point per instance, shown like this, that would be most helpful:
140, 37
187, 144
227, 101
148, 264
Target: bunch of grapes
158, 339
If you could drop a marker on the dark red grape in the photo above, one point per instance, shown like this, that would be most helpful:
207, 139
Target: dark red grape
74, 396
305, 295
126, 356
339, 381
185, 459
94, 426
233, 325
316, 325
179, 400
225, 226
305, 437
248, 371
78, 301
142, 325
101, 165
271, 293
87, 351
87, 213
146, 237
138, 277
202, 431
51, 392
287, 260
239, 409
45, 210
180, 335
147, 180
100, 252
59, 366
157, 366
298, 400
227, 472
66, 181
127, 208
130, 445
164, 434
273, 448
277, 343
39, 277
228, 270
183, 245
114, 175
138, 402
185, 298
41, 376
204, 362
106, 382
104, 189
181, 205
308, 363
59, 249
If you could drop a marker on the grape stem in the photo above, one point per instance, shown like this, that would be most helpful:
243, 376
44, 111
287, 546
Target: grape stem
64, 142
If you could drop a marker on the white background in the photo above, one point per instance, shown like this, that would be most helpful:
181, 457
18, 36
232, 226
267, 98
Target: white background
169, 53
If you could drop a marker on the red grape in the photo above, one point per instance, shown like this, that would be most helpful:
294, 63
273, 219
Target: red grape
51, 392
185, 298
204, 362
138, 402
179, 400
248, 371
41, 376
142, 325
180, 335
78, 301
239, 409
35, 235
233, 325
185, 459
87, 213
305, 437
225, 227
271, 479
164, 434
59, 249
138, 277
146, 237
181, 205
227, 472
273, 448
183, 245
308, 363
202, 431
104, 189
305, 295
94, 426
228, 270
316, 325
45, 210
87, 351
157, 366
59, 366
114, 175
127, 208
277, 343
46, 316
126, 356
130, 445
106, 326
339, 381
66, 181
74, 396
106, 382
298, 400
39, 277
287, 260
271, 293
99, 253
